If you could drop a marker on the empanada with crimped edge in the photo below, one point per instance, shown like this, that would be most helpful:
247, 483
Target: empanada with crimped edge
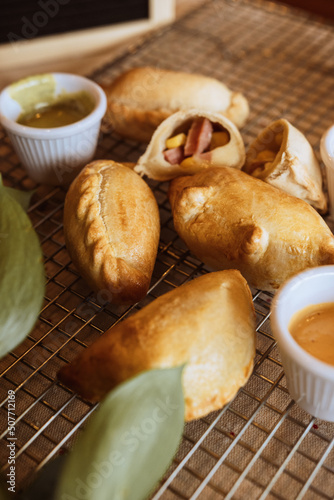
112, 229
229, 219
207, 325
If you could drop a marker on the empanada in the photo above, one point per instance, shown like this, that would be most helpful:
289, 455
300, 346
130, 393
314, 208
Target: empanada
208, 325
190, 141
230, 219
112, 229
141, 98
282, 156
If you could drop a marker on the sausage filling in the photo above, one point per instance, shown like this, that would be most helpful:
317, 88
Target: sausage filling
198, 141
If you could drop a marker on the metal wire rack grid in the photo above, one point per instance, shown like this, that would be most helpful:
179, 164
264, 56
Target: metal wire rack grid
261, 445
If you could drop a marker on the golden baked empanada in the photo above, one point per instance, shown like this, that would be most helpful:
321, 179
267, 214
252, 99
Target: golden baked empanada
230, 219
112, 229
141, 98
190, 141
282, 156
208, 325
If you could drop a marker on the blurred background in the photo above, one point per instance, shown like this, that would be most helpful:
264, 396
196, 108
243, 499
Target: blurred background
81, 35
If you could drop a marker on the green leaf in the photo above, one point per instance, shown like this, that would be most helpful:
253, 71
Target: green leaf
22, 197
129, 441
22, 280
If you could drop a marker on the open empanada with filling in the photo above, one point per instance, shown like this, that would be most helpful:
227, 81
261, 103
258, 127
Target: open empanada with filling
190, 141
282, 156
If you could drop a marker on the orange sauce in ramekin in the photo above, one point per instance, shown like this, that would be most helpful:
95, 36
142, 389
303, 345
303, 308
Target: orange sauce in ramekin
313, 329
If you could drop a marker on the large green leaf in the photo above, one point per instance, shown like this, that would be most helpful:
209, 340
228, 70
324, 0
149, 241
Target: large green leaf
129, 441
22, 280
22, 197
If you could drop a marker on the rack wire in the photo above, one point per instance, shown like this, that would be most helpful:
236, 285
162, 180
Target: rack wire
261, 445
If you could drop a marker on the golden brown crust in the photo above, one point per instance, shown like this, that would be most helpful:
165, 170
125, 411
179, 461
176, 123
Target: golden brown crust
137, 124
111, 227
295, 169
141, 98
230, 219
207, 324
153, 164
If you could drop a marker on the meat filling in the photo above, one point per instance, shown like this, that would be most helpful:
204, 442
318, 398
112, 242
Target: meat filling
201, 138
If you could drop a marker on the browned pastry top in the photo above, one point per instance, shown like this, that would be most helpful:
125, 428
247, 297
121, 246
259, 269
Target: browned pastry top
112, 228
230, 219
207, 324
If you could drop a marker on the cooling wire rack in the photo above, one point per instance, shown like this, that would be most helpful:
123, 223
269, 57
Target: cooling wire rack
261, 445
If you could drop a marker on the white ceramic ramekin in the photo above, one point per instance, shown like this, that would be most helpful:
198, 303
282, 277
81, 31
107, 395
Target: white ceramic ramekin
54, 155
310, 381
327, 156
